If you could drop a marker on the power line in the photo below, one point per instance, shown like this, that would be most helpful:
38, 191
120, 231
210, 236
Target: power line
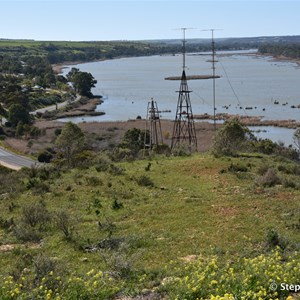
213, 53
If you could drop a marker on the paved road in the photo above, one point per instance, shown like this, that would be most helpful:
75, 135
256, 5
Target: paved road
14, 161
53, 107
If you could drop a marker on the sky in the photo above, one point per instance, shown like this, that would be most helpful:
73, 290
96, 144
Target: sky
102, 20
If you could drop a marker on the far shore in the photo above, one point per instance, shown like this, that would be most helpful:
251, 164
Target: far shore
246, 120
57, 68
251, 120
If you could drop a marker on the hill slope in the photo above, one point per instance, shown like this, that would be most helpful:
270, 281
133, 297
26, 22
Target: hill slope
133, 218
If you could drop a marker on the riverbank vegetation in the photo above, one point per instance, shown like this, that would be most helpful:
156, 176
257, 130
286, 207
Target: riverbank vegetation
289, 50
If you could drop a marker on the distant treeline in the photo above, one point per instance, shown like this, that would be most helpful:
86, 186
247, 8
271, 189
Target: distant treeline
62, 51
287, 50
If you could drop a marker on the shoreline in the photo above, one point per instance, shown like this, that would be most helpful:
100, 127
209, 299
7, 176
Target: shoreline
246, 120
88, 108
251, 120
57, 68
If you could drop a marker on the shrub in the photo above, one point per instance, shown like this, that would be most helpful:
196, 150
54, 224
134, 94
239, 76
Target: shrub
135, 140
265, 146
274, 239
237, 168
6, 224
43, 265
45, 156
26, 233
162, 149
145, 181
116, 205
34, 214
102, 163
288, 152
84, 159
231, 138
121, 259
63, 223
289, 183
269, 179
93, 181
262, 169
116, 170
57, 131
289, 169
121, 154
41, 187
182, 150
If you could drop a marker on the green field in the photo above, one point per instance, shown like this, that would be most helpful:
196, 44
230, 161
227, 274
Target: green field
145, 216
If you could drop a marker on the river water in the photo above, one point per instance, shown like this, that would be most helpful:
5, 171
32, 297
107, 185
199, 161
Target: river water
249, 85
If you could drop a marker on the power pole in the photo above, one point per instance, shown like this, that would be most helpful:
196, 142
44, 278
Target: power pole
184, 132
213, 54
155, 138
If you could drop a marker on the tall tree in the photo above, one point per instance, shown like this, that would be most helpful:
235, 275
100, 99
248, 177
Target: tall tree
70, 142
82, 81
18, 113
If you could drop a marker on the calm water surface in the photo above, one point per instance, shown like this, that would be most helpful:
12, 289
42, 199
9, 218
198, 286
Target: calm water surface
249, 85
247, 81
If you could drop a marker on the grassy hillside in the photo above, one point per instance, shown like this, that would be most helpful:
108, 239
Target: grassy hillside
131, 219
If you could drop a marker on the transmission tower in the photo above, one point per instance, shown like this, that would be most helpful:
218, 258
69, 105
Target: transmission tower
184, 132
213, 61
153, 125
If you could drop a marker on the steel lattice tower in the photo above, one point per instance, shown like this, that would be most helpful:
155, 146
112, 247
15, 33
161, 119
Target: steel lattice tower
184, 132
154, 128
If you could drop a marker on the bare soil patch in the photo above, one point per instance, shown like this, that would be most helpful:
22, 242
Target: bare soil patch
101, 135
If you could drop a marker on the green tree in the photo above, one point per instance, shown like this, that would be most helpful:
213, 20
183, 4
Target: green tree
17, 113
72, 73
231, 138
82, 81
70, 143
134, 139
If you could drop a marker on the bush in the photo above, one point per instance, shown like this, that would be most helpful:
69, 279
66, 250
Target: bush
63, 223
274, 239
93, 181
37, 186
237, 168
43, 265
116, 170
145, 181
26, 233
231, 138
135, 139
269, 179
35, 214
289, 183
57, 131
116, 205
45, 156
289, 169
288, 152
102, 163
265, 146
